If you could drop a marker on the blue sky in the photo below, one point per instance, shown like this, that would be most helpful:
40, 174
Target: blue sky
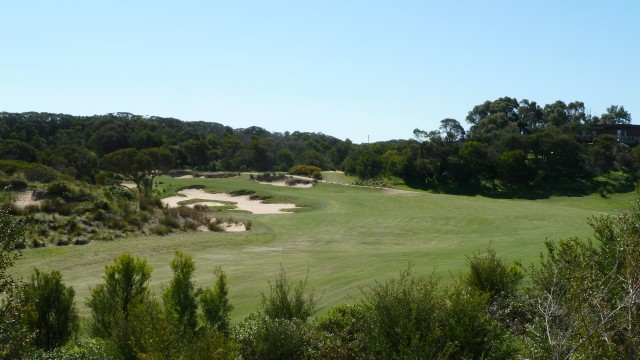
345, 68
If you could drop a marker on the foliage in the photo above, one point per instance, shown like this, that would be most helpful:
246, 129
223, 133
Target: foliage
343, 331
122, 306
216, 309
15, 337
81, 349
50, 311
411, 317
140, 166
31, 171
585, 295
404, 318
306, 170
262, 337
286, 300
180, 298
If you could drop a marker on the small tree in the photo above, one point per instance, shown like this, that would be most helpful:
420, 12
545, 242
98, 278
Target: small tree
50, 312
288, 301
180, 298
215, 305
122, 306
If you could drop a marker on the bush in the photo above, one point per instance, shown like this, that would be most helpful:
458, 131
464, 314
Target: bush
56, 205
41, 174
344, 328
404, 317
170, 221
288, 301
85, 349
213, 226
306, 170
107, 178
190, 225
180, 298
116, 191
122, 307
264, 338
215, 305
160, 230
50, 312
17, 182
32, 171
60, 189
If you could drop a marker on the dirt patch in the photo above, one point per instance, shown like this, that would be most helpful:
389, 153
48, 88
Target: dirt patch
26, 198
221, 199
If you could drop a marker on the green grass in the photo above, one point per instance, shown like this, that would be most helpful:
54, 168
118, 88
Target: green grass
338, 177
347, 237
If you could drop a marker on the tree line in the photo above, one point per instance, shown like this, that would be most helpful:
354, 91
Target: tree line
580, 300
510, 145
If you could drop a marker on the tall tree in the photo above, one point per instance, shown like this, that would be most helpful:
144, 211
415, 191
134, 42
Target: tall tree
140, 166
451, 130
615, 115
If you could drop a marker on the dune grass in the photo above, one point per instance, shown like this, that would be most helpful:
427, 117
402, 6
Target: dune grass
346, 237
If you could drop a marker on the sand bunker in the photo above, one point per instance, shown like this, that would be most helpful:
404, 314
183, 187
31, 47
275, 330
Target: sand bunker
284, 183
222, 199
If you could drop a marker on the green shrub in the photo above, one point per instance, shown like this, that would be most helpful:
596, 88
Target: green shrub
101, 203
122, 307
170, 221
82, 349
306, 170
343, 329
404, 317
33, 171
180, 298
117, 191
50, 312
215, 305
42, 174
286, 300
216, 227
160, 230
56, 205
60, 189
190, 225
264, 338
17, 182
106, 178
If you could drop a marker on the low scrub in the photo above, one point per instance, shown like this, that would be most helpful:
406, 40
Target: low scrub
306, 170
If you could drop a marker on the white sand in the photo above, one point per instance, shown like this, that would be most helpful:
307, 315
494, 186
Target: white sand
242, 202
284, 183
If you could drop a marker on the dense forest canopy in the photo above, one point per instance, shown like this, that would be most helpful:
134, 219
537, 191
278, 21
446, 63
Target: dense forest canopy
509, 144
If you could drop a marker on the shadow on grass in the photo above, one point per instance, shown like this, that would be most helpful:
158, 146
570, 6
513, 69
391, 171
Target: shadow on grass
603, 185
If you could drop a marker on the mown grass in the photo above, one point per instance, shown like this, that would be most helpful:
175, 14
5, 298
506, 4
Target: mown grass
347, 237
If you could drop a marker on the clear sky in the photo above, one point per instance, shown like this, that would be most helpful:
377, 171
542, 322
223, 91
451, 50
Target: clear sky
346, 68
